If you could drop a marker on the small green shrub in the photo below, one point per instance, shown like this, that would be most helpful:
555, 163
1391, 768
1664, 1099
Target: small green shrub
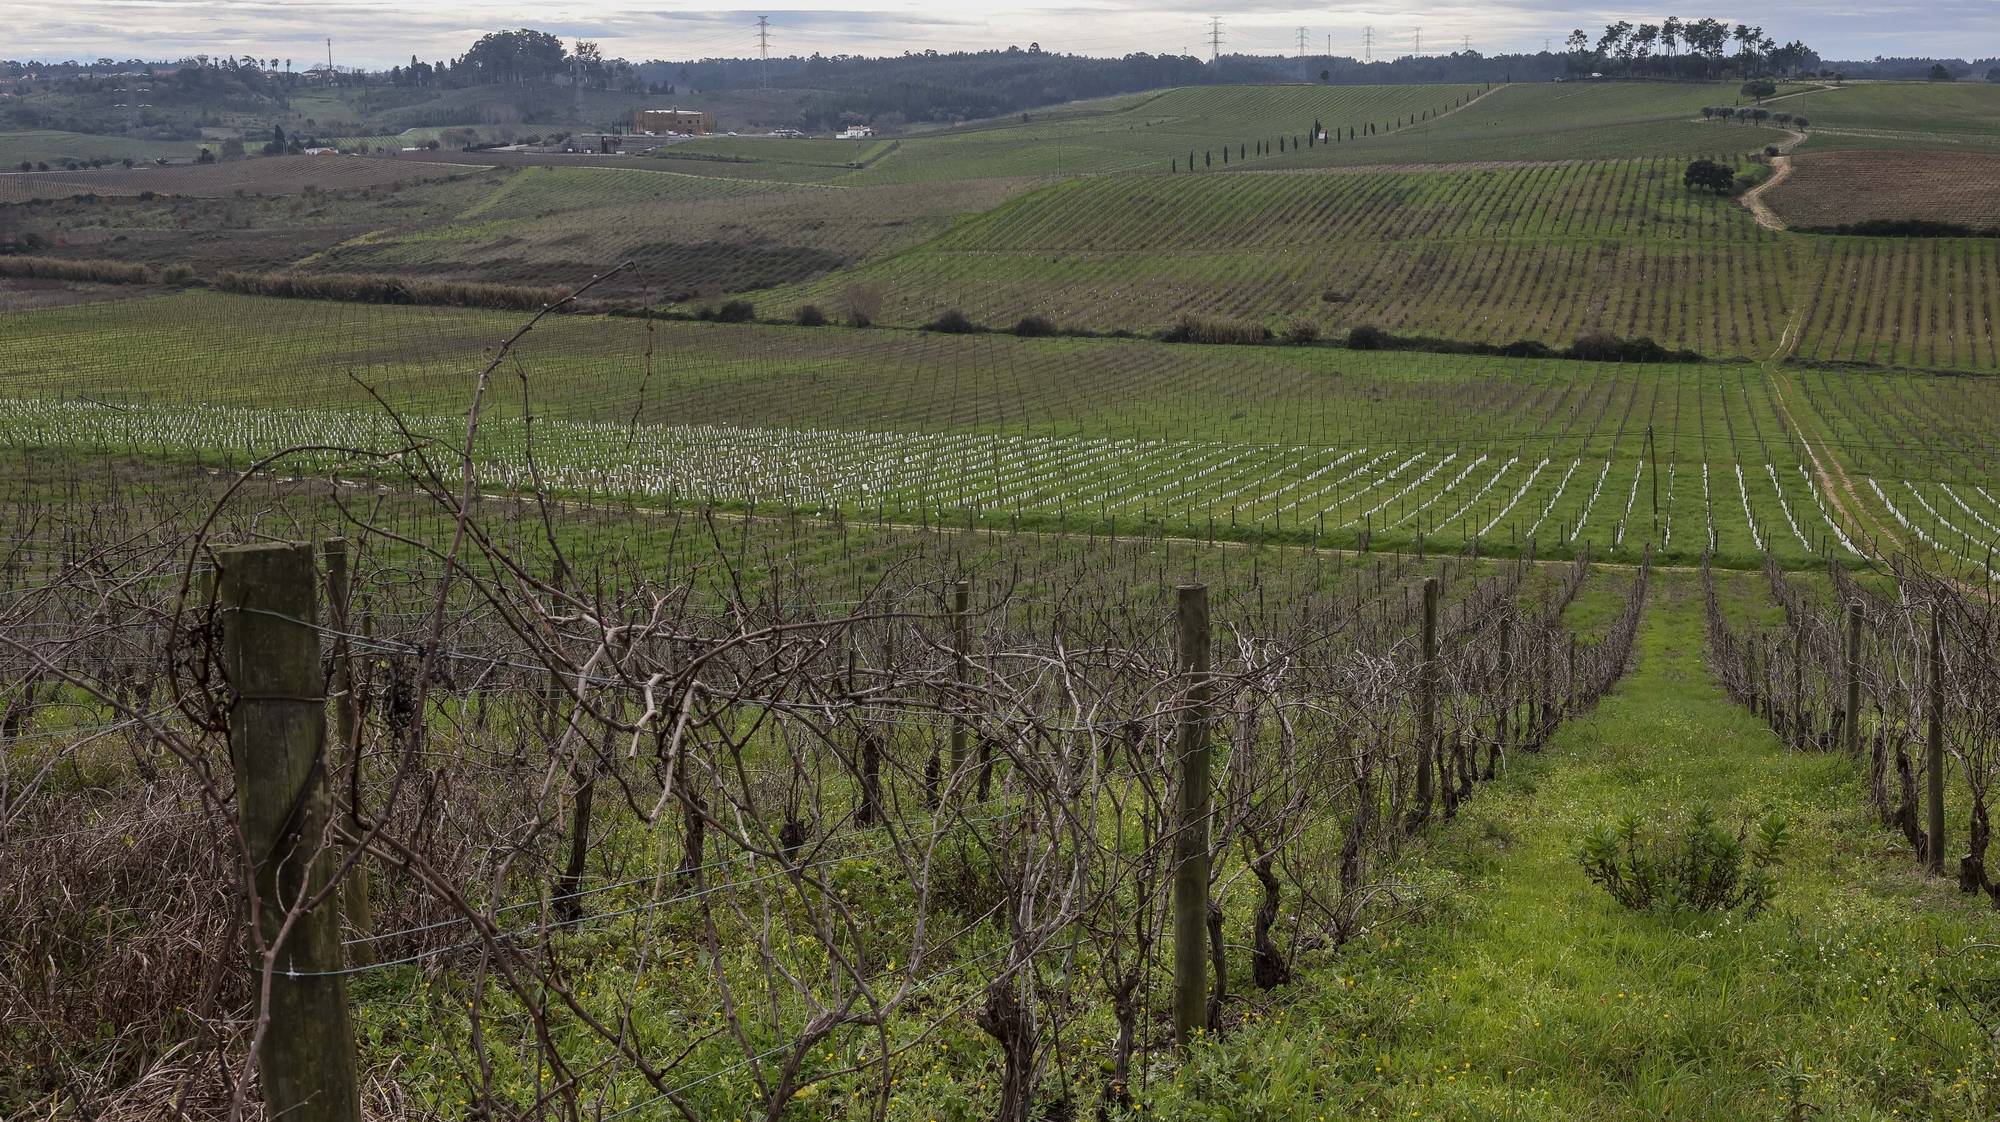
953, 322
811, 316
1035, 327
1367, 337
1692, 866
736, 311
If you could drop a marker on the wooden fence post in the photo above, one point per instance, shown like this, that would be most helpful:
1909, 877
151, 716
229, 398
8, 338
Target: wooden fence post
354, 894
1934, 750
1191, 832
277, 745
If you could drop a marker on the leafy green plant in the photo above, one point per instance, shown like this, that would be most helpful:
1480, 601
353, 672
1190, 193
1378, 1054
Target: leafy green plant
1694, 865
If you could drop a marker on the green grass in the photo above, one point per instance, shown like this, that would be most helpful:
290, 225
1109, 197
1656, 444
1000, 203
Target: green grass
1953, 115
57, 148
1528, 994
816, 151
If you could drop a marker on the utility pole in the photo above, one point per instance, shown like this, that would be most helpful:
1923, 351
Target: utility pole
329, 60
764, 51
1368, 43
1419, 49
1465, 44
1302, 53
1214, 38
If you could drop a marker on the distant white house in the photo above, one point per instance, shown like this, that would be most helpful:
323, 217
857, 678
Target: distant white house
854, 132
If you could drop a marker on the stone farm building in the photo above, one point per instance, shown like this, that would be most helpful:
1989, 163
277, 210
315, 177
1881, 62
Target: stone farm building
692, 122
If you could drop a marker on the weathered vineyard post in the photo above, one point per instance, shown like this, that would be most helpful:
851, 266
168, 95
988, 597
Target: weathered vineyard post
1545, 712
277, 745
1750, 672
1501, 742
1653, 469
1934, 751
1801, 732
961, 666
1191, 832
1429, 745
1570, 700
871, 751
1852, 732
346, 720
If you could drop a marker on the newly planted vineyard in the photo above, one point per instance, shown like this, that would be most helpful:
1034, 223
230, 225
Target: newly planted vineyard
1322, 445
1830, 190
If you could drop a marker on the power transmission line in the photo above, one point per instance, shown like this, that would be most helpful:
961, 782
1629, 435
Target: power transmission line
1368, 43
1215, 38
1419, 48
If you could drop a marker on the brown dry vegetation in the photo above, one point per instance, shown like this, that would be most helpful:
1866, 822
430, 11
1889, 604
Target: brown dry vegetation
23, 294
1830, 189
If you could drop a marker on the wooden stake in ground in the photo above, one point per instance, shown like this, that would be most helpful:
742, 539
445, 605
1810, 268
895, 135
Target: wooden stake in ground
1191, 830
1934, 752
277, 743
346, 725
1852, 731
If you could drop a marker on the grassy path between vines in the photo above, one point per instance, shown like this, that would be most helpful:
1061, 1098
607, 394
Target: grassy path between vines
1526, 993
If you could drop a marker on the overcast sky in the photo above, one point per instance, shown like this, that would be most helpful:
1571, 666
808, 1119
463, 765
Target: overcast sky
377, 33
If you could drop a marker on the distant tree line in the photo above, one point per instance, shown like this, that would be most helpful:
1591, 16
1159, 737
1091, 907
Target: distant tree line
934, 87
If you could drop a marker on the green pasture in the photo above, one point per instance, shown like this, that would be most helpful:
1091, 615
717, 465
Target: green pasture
58, 148
1917, 115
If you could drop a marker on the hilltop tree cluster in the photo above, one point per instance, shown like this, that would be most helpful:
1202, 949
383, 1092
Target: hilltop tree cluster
1680, 48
